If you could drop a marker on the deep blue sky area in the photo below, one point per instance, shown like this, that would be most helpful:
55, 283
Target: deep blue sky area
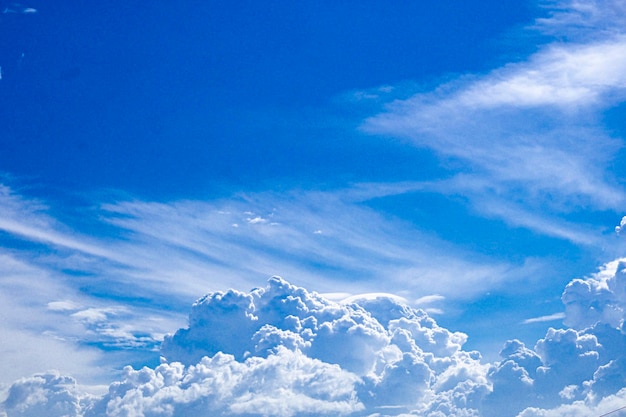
168, 100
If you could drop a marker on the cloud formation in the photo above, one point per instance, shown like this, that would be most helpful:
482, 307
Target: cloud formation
282, 350
599, 299
285, 383
527, 134
117, 294
529, 137
167, 249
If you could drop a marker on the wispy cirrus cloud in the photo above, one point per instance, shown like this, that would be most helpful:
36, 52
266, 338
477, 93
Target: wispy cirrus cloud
325, 239
514, 137
542, 319
29, 218
583, 20
529, 136
186, 247
29, 343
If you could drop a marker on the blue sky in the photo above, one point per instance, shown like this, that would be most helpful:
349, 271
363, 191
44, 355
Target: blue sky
465, 158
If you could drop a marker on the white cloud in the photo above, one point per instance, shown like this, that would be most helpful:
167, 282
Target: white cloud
526, 142
28, 341
428, 299
541, 319
606, 406
583, 20
428, 302
193, 239
64, 305
599, 298
282, 350
28, 219
560, 76
570, 371
122, 292
284, 384
280, 359
256, 220
372, 296
622, 223
47, 394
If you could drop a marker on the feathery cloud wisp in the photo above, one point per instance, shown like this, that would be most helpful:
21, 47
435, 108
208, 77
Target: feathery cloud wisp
529, 135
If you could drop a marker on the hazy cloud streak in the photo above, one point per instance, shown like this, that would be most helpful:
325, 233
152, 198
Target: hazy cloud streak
530, 133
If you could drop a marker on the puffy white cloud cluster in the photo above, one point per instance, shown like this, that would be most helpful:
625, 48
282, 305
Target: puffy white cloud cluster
285, 383
283, 351
601, 298
575, 371
398, 356
48, 394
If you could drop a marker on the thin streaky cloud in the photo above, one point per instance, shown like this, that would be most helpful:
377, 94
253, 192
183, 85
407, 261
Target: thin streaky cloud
429, 299
29, 337
583, 20
543, 319
186, 248
29, 219
519, 216
566, 77
525, 143
390, 252
488, 199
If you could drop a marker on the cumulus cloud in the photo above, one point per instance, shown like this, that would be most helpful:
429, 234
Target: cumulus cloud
47, 394
102, 299
598, 299
255, 323
282, 350
284, 384
572, 371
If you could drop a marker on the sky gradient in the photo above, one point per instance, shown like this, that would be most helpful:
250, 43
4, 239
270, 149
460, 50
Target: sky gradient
454, 166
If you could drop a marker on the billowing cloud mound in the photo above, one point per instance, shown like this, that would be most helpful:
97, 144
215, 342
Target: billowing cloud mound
286, 383
48, 394
579, 370
283, 351
398, 356
601, 298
